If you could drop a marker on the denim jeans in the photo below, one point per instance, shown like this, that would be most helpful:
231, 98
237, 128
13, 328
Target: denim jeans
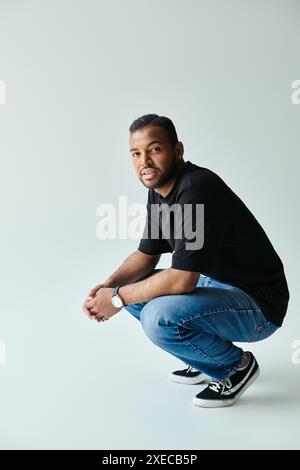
199, 327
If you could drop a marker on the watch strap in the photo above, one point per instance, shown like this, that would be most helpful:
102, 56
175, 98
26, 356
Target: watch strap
116, 292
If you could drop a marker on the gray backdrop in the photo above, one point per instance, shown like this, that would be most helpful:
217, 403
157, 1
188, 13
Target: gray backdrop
77, 73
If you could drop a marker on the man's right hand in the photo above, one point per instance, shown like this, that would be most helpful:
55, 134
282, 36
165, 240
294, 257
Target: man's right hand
90, 296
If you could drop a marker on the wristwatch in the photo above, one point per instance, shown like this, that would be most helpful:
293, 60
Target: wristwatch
116, 299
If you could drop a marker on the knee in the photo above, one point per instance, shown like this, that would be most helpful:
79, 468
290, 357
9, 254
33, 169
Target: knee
155, 317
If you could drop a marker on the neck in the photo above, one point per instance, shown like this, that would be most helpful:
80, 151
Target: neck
166, 188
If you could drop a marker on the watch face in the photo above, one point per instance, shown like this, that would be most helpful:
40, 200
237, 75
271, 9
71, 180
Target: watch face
116, 301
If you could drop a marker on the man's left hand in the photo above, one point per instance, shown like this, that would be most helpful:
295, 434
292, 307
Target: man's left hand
101, 306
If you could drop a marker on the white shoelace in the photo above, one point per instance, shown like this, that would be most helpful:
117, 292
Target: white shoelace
191, 369
216, 386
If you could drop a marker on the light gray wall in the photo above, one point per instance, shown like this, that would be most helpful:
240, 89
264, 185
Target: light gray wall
77, 73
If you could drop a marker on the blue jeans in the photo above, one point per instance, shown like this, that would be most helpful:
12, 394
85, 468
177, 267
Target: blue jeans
199, 327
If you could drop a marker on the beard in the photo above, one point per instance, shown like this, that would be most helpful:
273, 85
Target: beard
168, 174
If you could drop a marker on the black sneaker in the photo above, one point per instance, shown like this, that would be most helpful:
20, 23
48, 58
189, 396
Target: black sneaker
226, 392
188, 376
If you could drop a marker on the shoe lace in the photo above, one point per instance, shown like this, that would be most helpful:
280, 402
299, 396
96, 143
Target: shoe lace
190, 369
217, 385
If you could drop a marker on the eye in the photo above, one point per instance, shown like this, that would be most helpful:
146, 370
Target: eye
155, 148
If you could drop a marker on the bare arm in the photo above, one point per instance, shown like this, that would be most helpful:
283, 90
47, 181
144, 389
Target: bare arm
135, 267
168, 282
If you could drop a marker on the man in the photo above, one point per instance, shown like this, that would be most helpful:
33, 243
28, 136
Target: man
228, 287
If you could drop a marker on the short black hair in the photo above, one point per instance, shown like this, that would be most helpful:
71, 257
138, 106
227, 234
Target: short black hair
156, 120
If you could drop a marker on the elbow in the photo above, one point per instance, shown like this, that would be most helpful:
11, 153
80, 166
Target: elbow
186, 281
188, 288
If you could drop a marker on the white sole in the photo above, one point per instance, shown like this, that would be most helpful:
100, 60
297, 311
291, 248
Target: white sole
198, 379
223, 403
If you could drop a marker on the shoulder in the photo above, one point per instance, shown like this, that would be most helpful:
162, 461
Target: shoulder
201, 183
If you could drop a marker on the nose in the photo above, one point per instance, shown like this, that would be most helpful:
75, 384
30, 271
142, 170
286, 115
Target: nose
145, 160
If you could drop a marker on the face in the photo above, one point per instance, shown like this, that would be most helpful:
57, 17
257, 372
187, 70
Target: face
154, 159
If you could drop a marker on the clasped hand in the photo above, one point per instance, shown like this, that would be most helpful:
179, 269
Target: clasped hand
97, 305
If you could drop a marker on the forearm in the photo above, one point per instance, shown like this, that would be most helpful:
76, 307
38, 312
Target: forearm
167, 282
136, 266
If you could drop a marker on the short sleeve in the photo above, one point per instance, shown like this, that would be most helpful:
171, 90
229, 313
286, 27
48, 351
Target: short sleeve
153, 246
208, 218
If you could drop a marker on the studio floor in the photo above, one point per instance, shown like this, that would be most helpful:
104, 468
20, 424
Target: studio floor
109, 388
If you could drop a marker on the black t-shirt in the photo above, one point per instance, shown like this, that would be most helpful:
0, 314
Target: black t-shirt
231, 247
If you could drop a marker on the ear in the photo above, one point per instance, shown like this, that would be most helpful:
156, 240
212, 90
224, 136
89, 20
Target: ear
179, 150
